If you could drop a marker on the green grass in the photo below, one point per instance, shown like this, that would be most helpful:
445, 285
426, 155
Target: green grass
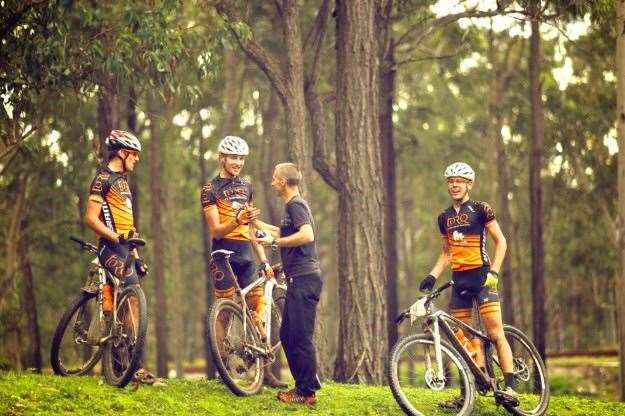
29, 394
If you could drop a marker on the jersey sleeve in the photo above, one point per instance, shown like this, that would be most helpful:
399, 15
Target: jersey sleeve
487, 212
441, 224
207, 196
299, 214
99, 186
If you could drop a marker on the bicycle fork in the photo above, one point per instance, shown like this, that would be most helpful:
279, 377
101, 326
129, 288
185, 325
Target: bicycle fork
438, 355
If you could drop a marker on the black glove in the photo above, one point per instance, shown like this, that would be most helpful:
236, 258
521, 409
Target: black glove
141, 267
124, 239
427, 283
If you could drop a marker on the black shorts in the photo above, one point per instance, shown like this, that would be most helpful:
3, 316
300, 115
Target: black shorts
469, 285
241, 260
113, 256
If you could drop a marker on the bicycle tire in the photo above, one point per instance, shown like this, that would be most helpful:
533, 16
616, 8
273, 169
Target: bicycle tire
529, 370
277, 309
74, 311
466, 383
122, 355
240, 359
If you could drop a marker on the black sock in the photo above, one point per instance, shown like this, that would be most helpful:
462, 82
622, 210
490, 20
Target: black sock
510, 382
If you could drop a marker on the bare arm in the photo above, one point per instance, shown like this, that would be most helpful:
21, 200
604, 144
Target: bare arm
92, 220
272, 229
494, 230
444, 259
303, 236
218, 230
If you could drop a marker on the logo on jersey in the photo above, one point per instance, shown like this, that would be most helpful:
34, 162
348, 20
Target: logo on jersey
458, 220
457, 236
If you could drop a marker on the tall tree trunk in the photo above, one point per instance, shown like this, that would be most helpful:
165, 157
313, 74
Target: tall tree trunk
387, 151
131, 122
160, 314
108, 112
206, 250
620, 284
176, 297
268, 156
29, 301
362, 343
498, 87
535, 159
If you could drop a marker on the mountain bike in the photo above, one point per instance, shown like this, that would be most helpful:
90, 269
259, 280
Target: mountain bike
426, 370
240, 350
88, 332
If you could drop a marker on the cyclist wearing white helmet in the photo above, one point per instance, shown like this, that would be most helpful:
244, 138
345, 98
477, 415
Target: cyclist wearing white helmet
109, 213
463, 227
227, 205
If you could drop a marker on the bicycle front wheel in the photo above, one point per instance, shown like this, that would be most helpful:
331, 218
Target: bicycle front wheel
75, 349
235, 348
530, 374
123, 351
421, 386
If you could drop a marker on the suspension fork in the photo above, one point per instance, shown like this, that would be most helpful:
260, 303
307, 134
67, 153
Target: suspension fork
437, 350
269, 286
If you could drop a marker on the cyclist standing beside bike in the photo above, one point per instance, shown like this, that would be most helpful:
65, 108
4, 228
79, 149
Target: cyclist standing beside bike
109, 213
296, 239
227, 205
463, 227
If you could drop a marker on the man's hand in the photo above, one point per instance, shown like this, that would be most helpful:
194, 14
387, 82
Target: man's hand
492, 278
264, 240
266, 270
427, 283
141, 267
247, 214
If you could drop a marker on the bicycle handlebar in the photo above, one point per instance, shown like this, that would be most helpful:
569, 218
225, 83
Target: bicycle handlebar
84, 245
430, 297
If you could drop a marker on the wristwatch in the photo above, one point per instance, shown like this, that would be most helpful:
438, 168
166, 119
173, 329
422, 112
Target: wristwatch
274, 244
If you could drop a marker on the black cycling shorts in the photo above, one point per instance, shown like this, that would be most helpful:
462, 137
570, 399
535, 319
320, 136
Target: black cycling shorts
469, 285
113, 256
241, 260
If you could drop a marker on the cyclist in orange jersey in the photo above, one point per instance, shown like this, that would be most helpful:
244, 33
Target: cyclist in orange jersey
464, 227
109, 213
227, 205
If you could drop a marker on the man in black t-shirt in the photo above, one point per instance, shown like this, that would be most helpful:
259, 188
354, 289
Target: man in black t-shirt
296, 239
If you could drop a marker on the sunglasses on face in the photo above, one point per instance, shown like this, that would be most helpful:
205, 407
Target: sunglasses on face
453, 181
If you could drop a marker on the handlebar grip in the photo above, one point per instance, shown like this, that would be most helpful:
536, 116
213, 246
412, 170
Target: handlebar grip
76, 239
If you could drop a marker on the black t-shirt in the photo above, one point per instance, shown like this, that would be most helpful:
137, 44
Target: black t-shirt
302, 259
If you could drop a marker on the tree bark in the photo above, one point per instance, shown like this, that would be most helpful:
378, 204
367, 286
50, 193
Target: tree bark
108, 112
362, 343
206, 247
29, 301
620, 121
131, 121
160, 314
387, 151
287, 79
535, 163
502, 73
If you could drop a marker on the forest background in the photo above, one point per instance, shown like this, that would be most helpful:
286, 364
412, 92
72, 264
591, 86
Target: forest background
372, 99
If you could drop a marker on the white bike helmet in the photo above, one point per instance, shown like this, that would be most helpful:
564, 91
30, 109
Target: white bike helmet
120, 139
460, 170
233, 145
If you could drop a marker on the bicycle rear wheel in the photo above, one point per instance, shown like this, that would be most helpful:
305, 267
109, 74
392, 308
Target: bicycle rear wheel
530, 374
415, 382
74, 349
240, 366
123, 352
277, 307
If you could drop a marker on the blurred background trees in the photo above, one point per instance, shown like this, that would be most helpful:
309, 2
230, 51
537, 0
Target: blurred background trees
443, 81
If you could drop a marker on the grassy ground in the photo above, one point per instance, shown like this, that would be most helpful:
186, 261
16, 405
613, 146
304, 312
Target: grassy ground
27, 394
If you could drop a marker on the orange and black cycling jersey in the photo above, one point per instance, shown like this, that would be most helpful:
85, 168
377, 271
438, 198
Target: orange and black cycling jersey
229, 195
465, 231
112, 190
